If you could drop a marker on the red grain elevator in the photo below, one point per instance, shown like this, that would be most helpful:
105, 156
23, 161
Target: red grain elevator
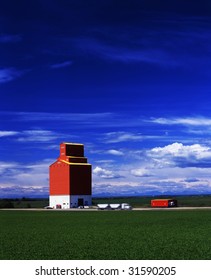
70, 178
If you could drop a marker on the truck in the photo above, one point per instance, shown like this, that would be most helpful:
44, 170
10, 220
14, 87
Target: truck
168, 202
119, 206
102, 206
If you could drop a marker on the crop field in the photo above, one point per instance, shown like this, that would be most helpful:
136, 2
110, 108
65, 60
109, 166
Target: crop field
105, 235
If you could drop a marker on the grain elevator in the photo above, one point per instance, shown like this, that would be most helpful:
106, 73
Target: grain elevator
70, 178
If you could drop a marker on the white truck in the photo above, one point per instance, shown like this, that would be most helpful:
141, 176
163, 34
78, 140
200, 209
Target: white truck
120, 206
102, 206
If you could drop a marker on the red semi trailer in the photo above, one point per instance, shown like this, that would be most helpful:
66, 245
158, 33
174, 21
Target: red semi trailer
163, 202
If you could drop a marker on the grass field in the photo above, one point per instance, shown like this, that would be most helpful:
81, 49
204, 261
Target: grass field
105, 234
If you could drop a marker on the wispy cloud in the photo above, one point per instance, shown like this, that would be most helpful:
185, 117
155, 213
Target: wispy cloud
19, 180
9, 38
101, 119
37, 136
33, 135
123, 53
4, 133
61, 65
187, 121
77, 117
168, 45
4, 166
9, 74
114, 152
121, 136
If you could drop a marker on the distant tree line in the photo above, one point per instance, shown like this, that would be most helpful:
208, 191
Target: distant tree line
13, 202
23, 202
6, 203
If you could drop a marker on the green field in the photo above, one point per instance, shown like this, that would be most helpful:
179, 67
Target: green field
106, 235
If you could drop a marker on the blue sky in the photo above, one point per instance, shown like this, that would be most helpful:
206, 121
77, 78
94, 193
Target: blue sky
128, 79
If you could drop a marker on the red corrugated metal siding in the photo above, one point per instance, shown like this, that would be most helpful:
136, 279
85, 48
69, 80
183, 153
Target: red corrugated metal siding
159, 203
59, 179
70, 174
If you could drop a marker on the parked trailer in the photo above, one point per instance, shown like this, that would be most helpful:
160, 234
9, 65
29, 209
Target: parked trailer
103, 206
120, 206
163, 203
115, 206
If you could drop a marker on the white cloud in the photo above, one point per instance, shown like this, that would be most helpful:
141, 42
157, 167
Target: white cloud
105, 161
114, 152
37, 136
178, 149
30, 179
77, 117
104, 119
105, 173
181, 155
121, 136
160, 170
141, 172
4, 133
170, 186
4, 166
187, 121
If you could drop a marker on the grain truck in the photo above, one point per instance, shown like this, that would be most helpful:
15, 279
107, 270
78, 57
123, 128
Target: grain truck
117, 206
167, 202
